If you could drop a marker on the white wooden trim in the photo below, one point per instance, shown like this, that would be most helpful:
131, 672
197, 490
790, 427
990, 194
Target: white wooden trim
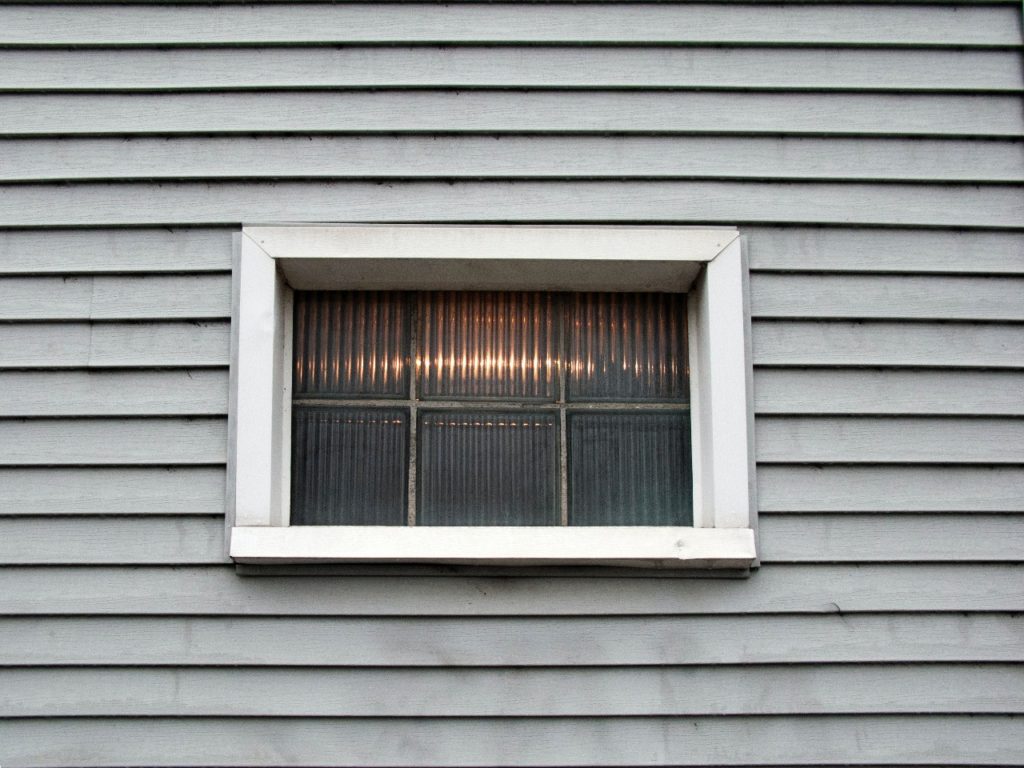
651, 547
708, 263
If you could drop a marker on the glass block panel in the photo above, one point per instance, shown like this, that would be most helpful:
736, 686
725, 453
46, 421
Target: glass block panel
478, 468
351, 344
349, 466
487, 345
627, 346
629, 469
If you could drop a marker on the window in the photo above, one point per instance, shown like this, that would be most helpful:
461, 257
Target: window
507, 395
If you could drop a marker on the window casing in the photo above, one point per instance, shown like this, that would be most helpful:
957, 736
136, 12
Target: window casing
707, 264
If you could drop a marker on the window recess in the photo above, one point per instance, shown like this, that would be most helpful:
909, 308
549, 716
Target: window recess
491, 395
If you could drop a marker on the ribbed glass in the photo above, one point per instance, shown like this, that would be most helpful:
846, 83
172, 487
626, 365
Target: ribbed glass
351, 344
487, 468
349, 466
629, 469
487, 345
627, 346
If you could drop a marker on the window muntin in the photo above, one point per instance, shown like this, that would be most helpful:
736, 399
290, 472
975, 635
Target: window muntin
520, 408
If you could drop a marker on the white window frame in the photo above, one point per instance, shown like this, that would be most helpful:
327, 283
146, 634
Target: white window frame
707, 263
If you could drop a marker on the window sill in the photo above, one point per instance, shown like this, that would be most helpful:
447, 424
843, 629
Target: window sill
644, 547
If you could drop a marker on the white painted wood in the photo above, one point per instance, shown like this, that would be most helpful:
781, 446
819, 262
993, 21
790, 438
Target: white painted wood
706, 741
904, 440
724, 432
627, 202
507, 641
943, 345
903, 250
896, 539
83, 540
152, 297
767, 690
110, 250
135, 24
114, 393
120, 345
482, 111
112, 441
903, 588
259, 339
888, 297
366, 257
890, 489
323, 257
654, 547
820, 391
719, 157
112, 490
503, 67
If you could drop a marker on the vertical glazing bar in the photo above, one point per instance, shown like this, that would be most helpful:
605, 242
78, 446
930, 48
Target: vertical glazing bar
560, 316
414, 364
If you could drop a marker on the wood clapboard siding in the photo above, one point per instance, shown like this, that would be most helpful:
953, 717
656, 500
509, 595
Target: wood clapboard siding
847, 537
114, 251
400, 157
115, 298
114, 490
201, 69
201, 392
114, 345
872, 155
136, 25
598, 741
445, 111
544, 202
434, 641
353, 692
903, 588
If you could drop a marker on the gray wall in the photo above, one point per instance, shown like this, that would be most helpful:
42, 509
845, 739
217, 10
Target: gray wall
872, 154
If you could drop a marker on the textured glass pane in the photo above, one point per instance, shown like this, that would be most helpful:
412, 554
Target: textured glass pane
629, 469
487, 469
349, 466
627, 346
487, 345
350, 343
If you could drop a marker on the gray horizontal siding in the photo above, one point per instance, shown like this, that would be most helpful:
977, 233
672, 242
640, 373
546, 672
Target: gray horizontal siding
870, 153
809, 343
114, 251
847, 537
117, 345
714, 741
115, 298
112, 490
799, 391
331, 157
114, 393
134, 25
552, 201
900, 440
185, 69
113, 441
551, 641
791, 689
801, 589
990, 116
884, 489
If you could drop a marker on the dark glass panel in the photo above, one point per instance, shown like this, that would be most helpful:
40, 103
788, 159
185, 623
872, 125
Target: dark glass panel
487, 468
627, 346
487, 345
349, 466
350, 344
629, 469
